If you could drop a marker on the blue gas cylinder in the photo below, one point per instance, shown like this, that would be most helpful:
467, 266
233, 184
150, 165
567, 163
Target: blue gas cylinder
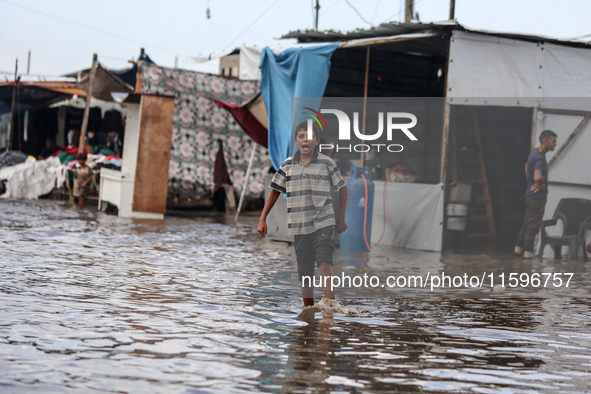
353, 238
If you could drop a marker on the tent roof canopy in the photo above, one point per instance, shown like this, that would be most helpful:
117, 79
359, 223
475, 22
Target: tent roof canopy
36, 94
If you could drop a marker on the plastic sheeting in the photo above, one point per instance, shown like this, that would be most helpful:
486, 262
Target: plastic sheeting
32, 180
33, 94
11, 158
414, 215
250, 59
103, 83
296, 72
572, 166
482, 67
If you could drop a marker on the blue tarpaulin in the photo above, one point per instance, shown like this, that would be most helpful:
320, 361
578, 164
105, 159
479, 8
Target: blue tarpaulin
295, 72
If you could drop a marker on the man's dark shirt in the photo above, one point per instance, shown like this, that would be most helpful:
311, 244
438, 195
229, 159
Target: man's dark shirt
537, 161
47, 152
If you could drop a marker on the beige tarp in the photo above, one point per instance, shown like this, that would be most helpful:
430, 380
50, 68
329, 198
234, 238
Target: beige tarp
104, 83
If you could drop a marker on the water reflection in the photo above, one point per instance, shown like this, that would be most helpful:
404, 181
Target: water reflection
92, 302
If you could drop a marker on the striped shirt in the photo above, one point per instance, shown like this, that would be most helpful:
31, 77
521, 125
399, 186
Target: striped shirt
308, 189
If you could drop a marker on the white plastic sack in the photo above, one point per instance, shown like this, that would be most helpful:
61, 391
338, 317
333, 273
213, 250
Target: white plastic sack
31, 180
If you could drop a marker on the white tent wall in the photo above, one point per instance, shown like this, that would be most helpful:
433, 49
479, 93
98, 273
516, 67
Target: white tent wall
572, 166
482, 67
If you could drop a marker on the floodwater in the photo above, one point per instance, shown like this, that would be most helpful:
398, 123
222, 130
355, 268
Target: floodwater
91, 302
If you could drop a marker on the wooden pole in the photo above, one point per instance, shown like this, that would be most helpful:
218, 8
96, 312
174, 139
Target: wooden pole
445, 139
87, 108
245, 185
365, 90
534, 128
409, 10
382, 41
446, 120
452, 10
570, 138
19, 129
11, 129
563, 112
317, 10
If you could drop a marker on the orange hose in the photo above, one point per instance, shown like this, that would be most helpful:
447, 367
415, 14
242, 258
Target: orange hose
365, 215
384, 198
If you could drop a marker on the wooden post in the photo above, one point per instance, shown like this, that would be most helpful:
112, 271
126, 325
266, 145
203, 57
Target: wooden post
11, 128
245, 184
317, 10
87, 108
534, 128
409, 10
570, 138
452, 10
19, 128
365, 90
446, 119
138, 77
443, 173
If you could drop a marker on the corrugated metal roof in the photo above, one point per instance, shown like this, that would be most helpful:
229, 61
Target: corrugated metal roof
397, 28
385, 29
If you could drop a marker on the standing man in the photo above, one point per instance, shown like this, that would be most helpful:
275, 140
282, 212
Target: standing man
536, 173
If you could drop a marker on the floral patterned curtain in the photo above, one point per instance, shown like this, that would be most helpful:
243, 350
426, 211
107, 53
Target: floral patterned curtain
199, 123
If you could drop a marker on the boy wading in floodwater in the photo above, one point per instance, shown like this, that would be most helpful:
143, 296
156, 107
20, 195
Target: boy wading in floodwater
84, 176
308, 178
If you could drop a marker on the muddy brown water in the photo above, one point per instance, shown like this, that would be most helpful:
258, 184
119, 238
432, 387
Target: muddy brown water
91, 302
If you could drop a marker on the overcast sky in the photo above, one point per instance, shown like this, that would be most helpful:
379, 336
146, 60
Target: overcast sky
62, 35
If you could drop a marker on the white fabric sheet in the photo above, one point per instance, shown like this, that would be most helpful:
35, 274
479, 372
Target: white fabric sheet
31, 180
414, 215
250, 58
